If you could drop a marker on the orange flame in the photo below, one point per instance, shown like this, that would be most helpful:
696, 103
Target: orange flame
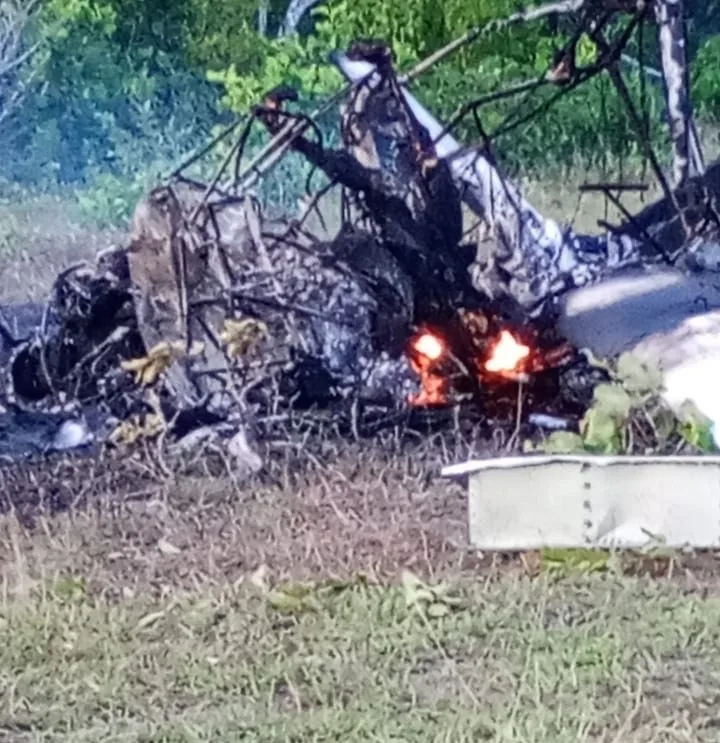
430, 346
508, 357
428, 349
507, 354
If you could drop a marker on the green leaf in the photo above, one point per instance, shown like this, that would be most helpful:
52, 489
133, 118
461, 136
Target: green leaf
698, 434
613, 401
580, 560
297, 590
563, 442
304, 597
695, 427
586, 51
289, 603
433, 601
69, 589
600, 431
637, 376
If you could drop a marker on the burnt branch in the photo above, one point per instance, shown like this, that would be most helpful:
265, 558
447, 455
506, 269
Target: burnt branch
610, 54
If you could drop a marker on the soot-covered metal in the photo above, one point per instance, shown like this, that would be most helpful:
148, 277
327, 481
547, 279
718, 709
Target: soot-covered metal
217, 311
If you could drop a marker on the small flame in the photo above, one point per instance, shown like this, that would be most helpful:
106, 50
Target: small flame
428, 348
507, 354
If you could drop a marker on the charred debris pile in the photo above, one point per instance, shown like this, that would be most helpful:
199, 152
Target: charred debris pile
217, 312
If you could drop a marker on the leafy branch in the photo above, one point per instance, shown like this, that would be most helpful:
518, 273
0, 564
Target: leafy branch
629, 415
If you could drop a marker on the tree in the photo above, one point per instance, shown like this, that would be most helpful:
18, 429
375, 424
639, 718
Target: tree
15, 53
294, 14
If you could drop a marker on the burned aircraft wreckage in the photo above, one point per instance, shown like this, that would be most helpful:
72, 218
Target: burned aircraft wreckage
216, 311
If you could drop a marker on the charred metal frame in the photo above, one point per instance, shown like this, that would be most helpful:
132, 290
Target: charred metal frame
591, 17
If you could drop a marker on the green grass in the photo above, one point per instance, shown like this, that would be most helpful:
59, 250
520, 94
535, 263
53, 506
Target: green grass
580, 659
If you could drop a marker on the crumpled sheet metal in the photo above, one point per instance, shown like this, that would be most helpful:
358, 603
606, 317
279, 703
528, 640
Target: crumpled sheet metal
542, 259
535, 502
234, 257
667, 319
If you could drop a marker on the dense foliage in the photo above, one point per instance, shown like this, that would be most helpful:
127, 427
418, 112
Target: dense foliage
119, 89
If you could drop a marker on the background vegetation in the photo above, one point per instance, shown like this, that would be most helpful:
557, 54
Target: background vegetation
118, 90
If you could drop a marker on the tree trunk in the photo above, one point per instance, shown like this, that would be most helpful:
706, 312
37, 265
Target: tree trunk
294, 14
263, 17
671, 33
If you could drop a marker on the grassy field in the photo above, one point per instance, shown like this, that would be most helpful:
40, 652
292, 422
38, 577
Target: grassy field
335, 602
576, 660
282, 609
38, 238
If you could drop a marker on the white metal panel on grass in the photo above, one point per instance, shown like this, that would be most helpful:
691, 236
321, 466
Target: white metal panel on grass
530, 502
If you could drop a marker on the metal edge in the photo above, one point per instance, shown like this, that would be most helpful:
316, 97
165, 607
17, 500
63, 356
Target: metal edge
478, 465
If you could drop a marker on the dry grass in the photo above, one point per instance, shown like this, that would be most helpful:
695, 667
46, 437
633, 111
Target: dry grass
169, 612
146, 612
562, 202
38, 238
155, 620
358, 511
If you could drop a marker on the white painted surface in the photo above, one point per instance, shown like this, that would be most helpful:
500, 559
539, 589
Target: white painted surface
521, 503
668, 319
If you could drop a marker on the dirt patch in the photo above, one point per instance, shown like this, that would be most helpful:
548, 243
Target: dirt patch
126, 527
361, 512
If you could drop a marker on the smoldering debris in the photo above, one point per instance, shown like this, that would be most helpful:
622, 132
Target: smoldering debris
219, 317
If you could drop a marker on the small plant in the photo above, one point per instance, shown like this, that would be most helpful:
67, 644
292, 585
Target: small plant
628, 415
110, 199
